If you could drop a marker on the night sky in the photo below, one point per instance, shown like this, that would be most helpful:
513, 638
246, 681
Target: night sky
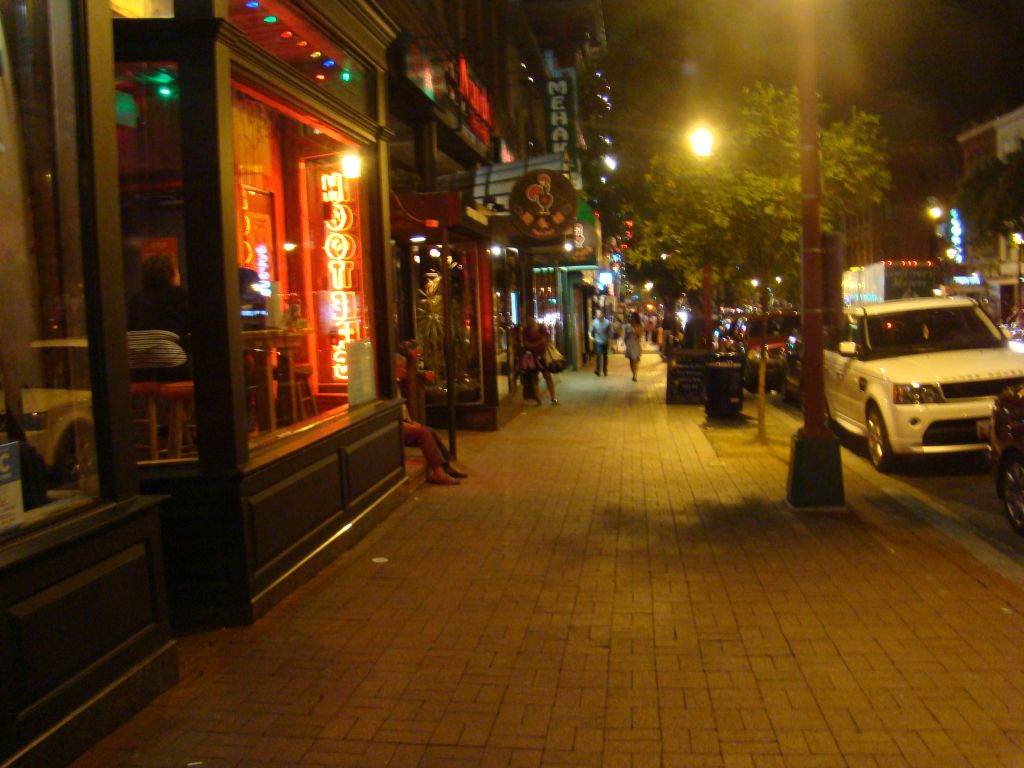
930, 68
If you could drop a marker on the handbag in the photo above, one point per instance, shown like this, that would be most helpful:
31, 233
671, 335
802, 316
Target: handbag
553, 359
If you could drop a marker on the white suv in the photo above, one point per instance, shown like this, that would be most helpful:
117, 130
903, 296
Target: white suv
918, 376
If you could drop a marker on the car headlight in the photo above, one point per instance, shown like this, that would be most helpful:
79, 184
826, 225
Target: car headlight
916, 394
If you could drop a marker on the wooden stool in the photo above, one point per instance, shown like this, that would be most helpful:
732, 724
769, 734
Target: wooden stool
303, 373
178, 395
149, 391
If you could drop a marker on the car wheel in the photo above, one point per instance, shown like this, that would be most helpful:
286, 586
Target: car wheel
1011, 489
879, 449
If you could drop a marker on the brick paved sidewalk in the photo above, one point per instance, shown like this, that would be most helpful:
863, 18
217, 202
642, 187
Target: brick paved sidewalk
617, 584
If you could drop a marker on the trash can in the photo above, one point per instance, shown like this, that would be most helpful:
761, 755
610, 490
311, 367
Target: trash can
724, 385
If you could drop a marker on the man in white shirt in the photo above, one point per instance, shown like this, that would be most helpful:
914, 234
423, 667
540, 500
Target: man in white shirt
600, 332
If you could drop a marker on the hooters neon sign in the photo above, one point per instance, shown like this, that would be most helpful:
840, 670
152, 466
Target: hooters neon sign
340, 248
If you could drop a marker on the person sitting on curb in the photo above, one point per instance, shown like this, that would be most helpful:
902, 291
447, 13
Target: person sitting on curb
442, 470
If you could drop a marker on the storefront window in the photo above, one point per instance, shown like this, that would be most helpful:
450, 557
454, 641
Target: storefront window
463, 313
503, 296
303, 278
276, 27
47, 450
148, 119
142, 9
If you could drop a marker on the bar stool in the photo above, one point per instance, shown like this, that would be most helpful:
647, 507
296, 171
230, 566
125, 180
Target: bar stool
303, 373
149, 392
179, 396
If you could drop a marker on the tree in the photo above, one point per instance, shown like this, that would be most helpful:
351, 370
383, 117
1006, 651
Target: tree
739, 210
991, 198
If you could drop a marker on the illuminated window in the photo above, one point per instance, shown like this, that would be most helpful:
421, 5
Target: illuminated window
305, 295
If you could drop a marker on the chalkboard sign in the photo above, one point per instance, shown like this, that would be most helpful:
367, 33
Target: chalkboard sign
686, 377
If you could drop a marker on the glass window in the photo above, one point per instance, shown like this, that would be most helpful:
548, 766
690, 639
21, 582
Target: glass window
463, 316
284, 33
142, 9
306, 296
148, 119
47, 451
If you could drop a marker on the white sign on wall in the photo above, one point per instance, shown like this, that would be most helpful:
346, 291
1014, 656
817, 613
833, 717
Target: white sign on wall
362, 385
12, 507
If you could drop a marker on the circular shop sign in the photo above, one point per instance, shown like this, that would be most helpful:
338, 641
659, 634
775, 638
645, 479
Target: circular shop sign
543, 204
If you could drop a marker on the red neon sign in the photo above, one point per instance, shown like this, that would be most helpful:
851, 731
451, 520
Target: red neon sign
341, 249
476, 102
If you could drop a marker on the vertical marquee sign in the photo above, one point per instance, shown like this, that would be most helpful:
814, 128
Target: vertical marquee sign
560, 109
341, 304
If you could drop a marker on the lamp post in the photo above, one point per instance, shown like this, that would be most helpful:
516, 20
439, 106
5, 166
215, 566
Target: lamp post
815, 466
702, 144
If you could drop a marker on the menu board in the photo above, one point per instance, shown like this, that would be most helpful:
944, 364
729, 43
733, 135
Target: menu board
687, 370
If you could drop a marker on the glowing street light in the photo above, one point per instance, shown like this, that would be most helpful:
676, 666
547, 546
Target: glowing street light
935, 211
702, 142
610, 162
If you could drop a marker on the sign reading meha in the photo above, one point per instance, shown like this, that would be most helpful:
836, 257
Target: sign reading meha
543, 204
560, 103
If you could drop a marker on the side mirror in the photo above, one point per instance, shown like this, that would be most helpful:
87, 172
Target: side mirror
848, 348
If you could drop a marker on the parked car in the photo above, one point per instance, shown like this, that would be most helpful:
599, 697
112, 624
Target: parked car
918, 376
781, 324
1006, 445
793, 368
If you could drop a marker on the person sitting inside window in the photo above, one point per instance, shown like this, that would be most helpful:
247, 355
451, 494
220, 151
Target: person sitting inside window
158, 324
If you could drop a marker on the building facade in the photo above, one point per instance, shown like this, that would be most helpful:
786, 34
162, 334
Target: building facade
998, 261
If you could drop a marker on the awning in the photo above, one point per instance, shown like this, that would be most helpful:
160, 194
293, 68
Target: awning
416, 214
491, 184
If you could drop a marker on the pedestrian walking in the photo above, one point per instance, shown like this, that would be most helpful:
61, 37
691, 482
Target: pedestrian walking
533, 361
616, 337
600, 333
651, 328
633, 333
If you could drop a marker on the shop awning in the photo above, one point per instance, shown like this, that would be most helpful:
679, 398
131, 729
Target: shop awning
415, 214
492, 184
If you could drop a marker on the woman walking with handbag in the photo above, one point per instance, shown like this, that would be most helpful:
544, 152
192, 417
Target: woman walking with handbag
535, 343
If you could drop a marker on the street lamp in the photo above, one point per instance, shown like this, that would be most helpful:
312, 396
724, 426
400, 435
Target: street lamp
815, 464
702, 142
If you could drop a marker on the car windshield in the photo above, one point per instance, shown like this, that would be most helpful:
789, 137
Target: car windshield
936, 329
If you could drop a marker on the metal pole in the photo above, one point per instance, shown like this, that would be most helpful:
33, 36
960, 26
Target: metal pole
706, 297
815, 465
449, 350
811, 253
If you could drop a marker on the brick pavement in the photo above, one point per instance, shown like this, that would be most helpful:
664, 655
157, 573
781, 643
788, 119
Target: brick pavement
617, 584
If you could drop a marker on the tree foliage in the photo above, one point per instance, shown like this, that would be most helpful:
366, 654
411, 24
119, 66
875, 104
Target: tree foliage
991, 198
738, 211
